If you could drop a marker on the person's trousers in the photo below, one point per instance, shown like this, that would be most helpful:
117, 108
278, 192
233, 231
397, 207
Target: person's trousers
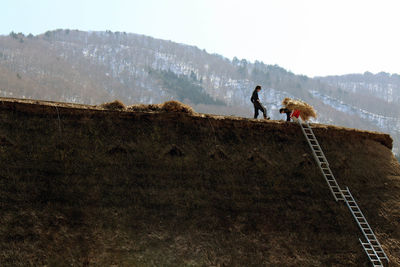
288, 116
257, 107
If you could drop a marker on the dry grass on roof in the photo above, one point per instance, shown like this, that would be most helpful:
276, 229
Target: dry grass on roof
176, 106
114, 105
169, 106
144, 107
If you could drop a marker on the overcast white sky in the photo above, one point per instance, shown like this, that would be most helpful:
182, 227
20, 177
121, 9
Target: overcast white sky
311, 37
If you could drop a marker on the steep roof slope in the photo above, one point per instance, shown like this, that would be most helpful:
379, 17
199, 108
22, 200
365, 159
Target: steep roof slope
83, 185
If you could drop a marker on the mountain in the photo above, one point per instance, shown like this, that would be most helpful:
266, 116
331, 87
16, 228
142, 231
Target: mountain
94, 67
84, 185
375, 98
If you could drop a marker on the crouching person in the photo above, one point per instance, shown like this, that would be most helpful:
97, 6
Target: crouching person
287, 112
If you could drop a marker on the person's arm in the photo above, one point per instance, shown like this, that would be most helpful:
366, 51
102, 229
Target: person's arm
254, 97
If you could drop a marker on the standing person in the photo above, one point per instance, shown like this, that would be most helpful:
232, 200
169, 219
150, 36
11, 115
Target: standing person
287, 111
257, 104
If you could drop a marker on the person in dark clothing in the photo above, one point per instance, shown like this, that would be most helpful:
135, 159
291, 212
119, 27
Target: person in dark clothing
287, 111
257, 104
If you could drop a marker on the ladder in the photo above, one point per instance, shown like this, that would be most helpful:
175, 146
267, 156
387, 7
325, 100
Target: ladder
321, 161
372, 247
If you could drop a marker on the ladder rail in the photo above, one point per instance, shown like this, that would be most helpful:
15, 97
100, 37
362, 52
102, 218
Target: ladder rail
315, 138
320, 163
367, 227
370, 255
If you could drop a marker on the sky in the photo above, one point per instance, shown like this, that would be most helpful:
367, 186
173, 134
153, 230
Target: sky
309, 37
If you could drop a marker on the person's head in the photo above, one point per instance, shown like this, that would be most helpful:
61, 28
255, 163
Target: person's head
258, 88
282, 110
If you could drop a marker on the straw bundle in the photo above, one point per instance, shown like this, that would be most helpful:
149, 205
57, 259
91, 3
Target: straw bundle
115, 105
306, 111
169, 106
176, 106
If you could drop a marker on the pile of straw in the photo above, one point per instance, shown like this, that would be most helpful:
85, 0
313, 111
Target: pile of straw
306, 111
115, 105
169, 106
176, 106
